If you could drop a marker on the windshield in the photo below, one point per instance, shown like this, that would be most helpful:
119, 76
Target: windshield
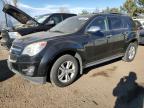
41, 18
70, 25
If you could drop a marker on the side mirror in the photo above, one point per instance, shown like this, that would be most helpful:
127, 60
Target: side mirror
51, 22
93, 29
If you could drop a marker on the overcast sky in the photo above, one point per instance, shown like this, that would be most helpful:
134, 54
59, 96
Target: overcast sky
35, 7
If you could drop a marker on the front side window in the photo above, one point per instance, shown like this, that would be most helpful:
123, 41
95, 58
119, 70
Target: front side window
115, 23
56, 18
99, 22
41, 18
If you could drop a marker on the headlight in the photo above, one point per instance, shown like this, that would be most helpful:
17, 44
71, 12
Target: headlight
14, 35
34, 48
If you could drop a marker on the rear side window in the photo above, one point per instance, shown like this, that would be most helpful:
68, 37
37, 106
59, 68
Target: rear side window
115, 22
125, 22
67, 16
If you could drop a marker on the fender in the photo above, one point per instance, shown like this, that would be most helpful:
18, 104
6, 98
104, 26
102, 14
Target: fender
59, 48
130, 38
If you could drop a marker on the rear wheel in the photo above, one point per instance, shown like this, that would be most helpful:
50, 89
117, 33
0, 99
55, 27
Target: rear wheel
64, 71
130, 52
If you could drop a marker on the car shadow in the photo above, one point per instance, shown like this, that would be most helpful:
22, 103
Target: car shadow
5, 73
129, 93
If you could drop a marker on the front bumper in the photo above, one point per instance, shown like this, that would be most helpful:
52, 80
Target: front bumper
36, 79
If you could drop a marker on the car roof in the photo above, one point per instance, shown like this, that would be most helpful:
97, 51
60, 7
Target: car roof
54, 14
107, 14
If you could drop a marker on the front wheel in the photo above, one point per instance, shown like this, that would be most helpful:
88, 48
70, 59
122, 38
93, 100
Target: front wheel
64, 71
130, 52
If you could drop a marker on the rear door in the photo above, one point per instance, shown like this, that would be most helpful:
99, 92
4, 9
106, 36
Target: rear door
116, 39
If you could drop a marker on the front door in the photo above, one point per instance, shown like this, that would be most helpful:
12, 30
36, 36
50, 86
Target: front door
99, 39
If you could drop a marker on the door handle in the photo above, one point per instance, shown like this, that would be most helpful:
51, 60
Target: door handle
109, 36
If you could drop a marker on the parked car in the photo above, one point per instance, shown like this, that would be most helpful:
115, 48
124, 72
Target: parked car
141, 32
28, 24
141, 20
62, 53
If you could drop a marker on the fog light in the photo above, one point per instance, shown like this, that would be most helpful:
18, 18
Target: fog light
30, 70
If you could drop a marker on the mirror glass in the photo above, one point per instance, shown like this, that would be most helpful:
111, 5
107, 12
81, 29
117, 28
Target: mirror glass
93, 29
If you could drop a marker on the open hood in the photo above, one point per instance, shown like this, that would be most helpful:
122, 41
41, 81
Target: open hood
18, 14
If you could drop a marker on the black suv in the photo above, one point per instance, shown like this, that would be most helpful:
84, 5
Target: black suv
74, 44
28, 24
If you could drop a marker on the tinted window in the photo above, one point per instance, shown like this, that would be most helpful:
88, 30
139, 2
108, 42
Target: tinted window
56, 18
130, 22
67, 15
99, 22
125, 22
115, 23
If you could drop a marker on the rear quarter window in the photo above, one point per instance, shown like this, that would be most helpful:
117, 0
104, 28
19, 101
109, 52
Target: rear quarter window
128, 23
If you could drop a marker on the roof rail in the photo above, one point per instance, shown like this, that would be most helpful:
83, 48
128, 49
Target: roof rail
116, 13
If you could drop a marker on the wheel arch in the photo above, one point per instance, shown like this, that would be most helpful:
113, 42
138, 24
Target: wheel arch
130, 41
64, 52
133, 40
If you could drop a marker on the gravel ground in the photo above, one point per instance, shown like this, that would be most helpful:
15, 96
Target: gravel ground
115, 84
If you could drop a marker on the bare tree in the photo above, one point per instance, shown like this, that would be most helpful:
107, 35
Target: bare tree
84, 12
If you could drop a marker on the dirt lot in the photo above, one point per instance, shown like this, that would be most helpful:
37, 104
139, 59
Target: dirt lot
102, 86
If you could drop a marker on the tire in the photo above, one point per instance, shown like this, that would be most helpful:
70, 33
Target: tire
130, 52
64, 71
